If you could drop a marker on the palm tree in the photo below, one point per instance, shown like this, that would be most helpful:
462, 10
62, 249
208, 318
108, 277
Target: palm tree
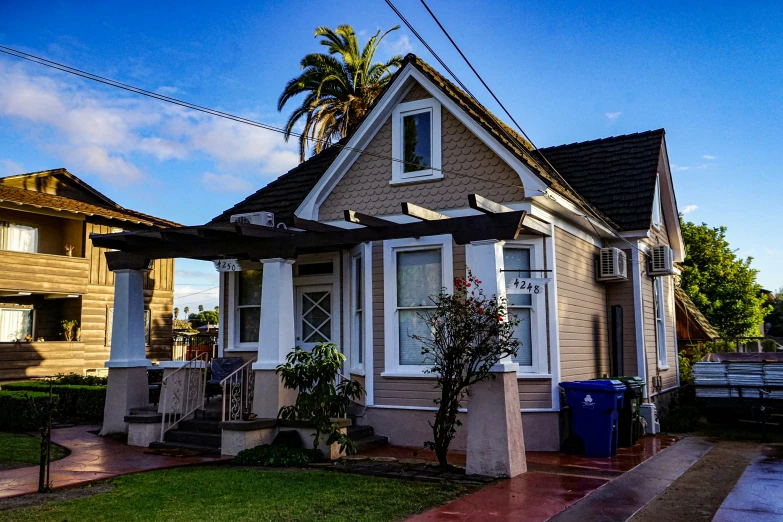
200, 308
187, 310
176, 313
339, 87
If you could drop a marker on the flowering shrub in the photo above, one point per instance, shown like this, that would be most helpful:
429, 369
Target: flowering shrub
470, 333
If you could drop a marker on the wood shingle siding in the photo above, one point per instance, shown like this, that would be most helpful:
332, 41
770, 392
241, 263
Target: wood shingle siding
581, 301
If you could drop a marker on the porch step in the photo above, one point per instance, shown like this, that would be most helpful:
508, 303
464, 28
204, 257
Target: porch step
199, 426
360, 432
146, 410
376, 441
206, 450
211, 440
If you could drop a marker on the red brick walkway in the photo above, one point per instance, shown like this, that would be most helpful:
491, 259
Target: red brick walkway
92, 458
554, 482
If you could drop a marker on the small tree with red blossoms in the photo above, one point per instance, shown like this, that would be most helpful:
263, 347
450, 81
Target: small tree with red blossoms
470, 333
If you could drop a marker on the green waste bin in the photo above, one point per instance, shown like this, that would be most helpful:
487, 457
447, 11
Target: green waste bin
630, 423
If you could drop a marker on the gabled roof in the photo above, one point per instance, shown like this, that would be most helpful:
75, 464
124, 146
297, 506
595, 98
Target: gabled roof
12, 191
693, 316
616, 174
283, 195
32, 181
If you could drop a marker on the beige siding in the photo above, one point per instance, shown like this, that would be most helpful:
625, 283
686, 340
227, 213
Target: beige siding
42, 273
365, 187
23, 360
621, 293
582, 310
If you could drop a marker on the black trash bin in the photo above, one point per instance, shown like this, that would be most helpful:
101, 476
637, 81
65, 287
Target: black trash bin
630, 424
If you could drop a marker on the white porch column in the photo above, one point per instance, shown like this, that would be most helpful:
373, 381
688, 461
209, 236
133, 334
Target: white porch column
495, 443
276, 337
127, 385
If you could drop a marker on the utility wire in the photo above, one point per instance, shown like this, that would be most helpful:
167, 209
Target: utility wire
213, 112
196, 293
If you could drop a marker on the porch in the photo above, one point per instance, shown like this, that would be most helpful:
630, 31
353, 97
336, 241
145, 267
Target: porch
289, 290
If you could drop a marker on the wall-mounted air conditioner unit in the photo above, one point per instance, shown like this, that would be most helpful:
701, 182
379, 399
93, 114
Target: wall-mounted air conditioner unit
661, 261
266, 219
612, 265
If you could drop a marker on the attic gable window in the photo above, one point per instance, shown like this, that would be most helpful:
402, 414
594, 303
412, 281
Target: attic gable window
416, 141
657, 217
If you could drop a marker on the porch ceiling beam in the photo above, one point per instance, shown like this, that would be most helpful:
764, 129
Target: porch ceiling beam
487, 206
352, 216
425, 214
314, 226
537, 225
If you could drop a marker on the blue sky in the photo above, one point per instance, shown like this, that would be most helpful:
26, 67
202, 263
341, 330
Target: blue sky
712, 76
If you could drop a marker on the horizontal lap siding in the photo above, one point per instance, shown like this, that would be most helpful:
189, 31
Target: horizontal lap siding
22, 360
582, 310
621, 293
41, 273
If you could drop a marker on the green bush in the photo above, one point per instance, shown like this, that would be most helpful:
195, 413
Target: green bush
83, 380
277, 456
76, 401
23, 410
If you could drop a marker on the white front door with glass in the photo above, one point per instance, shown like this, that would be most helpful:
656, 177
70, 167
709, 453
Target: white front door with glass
315, 305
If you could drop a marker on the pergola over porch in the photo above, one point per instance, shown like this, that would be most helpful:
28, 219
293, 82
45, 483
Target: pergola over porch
495, 439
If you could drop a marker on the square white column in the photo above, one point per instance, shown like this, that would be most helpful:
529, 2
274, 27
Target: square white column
276, 337
495, 442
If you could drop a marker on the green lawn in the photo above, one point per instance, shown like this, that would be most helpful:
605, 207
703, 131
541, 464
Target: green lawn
19, 448
228, 493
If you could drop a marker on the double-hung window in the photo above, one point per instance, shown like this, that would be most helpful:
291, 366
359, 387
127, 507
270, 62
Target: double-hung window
516, 261
18, 237
417, 270
357, 311
15, 324
248, 306
660, 322
416, 141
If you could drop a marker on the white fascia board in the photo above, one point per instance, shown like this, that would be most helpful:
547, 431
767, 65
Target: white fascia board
636, 234
554, 216
669, 203
308, 209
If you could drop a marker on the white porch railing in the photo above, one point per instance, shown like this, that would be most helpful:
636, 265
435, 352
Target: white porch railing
182, 392
238, 390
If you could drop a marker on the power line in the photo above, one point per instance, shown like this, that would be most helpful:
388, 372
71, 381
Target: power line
196, 293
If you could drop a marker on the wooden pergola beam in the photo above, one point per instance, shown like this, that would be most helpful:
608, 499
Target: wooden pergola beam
487, 206
314, 226
425, 214
352, 216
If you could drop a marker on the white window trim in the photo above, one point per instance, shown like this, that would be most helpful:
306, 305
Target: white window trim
540, 367
391, 326
362, 251
657, 216
660, 323
432, 106
234, 335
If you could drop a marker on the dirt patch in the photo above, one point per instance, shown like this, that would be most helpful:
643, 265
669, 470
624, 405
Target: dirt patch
699, 492
56, 496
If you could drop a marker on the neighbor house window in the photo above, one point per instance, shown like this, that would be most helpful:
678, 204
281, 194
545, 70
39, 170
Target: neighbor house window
248, 305
657, 217
660, 321
419, 269
18, 237
15, 324
110, 325
516, 261
416, 141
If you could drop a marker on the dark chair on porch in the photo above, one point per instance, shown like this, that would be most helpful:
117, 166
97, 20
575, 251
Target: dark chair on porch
222, 367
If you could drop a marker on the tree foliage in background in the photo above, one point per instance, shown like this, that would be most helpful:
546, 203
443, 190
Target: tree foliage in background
470, 334
339, 87
202, 318
721, 285
775, 317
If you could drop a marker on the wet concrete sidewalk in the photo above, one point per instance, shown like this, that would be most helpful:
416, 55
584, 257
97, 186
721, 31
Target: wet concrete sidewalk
554, 482
92, 458
758, 495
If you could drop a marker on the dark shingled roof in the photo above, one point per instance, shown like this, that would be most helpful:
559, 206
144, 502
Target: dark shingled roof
284, 195
613, 177
616, 175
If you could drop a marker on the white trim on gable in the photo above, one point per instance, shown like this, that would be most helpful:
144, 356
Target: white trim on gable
669, 203
308, 209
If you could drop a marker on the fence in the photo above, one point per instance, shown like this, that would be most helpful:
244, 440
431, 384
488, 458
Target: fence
189, 346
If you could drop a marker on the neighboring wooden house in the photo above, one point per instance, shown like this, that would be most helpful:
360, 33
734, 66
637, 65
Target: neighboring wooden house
51, 272
692, 327
426, 143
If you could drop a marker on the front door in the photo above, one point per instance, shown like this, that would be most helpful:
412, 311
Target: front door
315, 305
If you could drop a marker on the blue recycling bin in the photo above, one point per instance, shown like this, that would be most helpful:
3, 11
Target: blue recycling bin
595, 407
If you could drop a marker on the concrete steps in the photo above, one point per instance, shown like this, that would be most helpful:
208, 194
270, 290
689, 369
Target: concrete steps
365, 438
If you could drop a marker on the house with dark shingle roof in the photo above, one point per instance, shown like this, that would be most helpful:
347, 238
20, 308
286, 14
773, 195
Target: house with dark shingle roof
53, 273
369, 229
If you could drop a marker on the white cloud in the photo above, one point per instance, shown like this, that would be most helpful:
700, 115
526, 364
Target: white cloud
401, 45
226, 183
613, 116
10, 168
681, 168
709, 157
107, 133
689, 208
